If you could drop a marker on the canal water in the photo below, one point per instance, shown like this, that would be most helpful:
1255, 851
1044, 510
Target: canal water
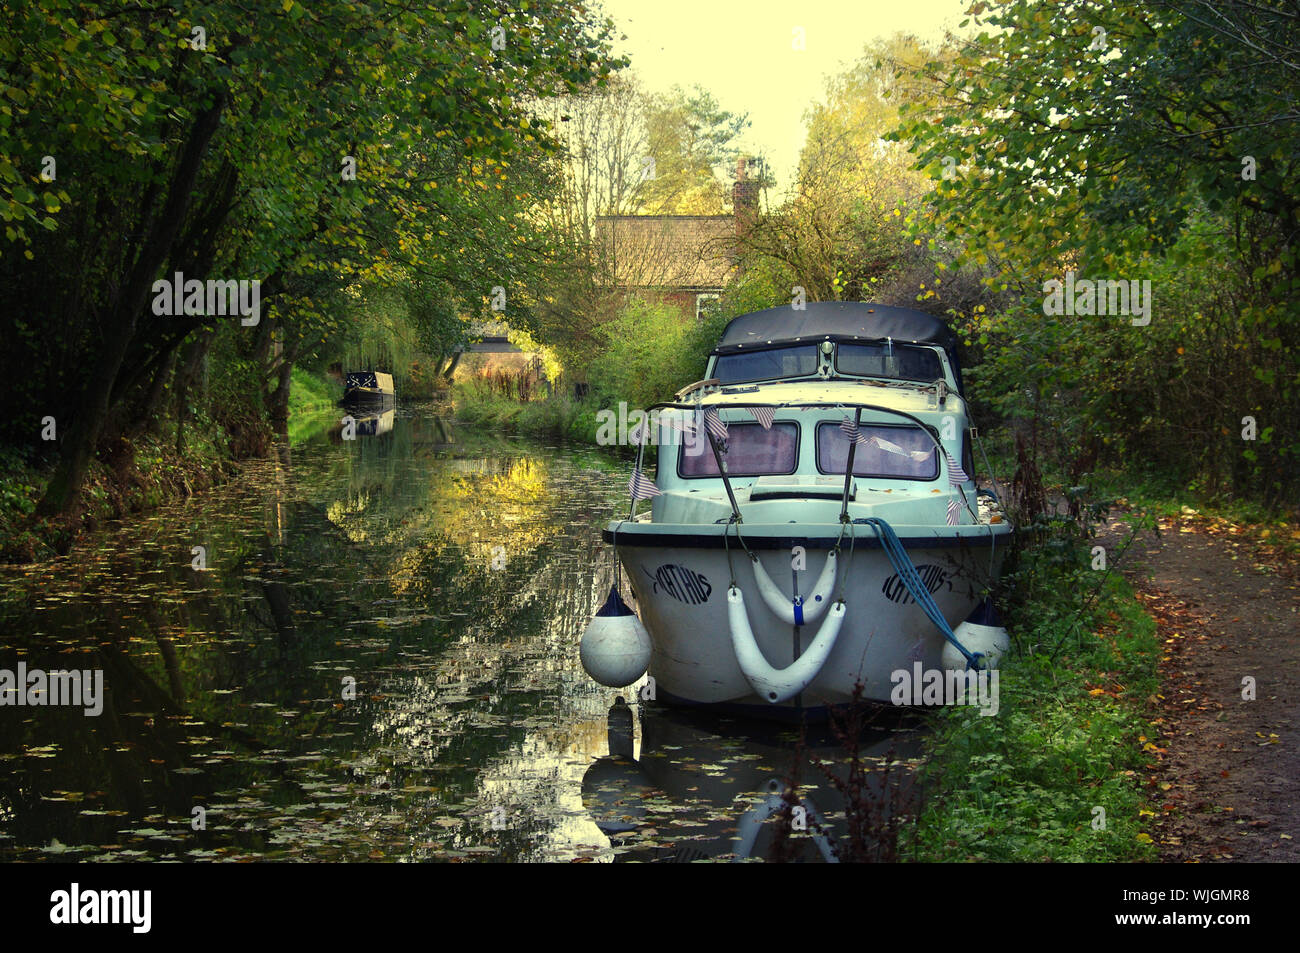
368, 650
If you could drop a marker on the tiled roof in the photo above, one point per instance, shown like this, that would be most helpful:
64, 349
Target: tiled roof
678, 252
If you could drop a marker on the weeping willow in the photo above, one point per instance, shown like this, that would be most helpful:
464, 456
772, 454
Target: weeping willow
394, 329
380, 338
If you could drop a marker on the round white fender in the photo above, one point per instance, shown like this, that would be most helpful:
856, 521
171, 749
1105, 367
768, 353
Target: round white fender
615, 648
810, 607
982, 632
778, 685
992, 641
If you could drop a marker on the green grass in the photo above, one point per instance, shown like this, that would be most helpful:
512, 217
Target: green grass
311, 392
1166, 498
560, 416
1024, 784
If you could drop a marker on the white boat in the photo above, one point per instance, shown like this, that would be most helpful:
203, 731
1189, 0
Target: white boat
768, 576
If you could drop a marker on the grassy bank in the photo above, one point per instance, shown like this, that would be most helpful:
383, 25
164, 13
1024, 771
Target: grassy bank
1069, 735
560, 416
141, 472
313, 404
310, 392
145, 472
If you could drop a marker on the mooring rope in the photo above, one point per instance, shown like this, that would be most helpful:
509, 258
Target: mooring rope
902, 563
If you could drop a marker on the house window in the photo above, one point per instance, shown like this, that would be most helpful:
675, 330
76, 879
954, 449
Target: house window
702, 303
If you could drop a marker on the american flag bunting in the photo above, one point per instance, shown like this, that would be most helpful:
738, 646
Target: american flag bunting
956, 475
642, 487
851, 431
715, 424
764, 415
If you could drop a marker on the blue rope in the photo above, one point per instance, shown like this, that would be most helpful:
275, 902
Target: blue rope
902, 563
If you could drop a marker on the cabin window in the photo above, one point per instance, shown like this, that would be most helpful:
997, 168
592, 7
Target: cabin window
750, 451
875, 360
896, 453
772, 364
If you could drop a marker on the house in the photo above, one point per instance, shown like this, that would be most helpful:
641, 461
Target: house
683, 259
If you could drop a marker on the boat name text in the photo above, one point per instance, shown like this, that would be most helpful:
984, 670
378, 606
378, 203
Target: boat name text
681, 583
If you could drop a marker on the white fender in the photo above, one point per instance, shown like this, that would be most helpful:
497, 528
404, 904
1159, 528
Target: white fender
778, 685
812, 605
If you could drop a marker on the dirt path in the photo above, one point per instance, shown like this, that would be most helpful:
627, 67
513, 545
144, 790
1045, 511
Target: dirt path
1225, 771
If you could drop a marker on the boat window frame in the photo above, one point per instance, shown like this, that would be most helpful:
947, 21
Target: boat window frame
731, 474
931, 431
815, 373
938, 353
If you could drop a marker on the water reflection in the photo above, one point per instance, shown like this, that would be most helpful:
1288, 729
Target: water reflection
357, 650
709, 788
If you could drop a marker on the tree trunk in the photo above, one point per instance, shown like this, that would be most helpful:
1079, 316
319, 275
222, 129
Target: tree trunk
65, 485
450, 369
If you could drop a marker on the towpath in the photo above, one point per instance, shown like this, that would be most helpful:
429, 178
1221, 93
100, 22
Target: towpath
1224, 773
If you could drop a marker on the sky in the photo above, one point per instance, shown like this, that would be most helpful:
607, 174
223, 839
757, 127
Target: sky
743, 53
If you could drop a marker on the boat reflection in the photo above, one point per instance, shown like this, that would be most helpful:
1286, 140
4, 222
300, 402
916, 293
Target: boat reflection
678, 801
365, 425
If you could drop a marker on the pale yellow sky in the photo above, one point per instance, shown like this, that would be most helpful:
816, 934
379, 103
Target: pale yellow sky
743, 53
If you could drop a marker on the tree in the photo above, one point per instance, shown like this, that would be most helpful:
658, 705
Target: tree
184, 142
689, 137
840, 233
625, 153
1134, 140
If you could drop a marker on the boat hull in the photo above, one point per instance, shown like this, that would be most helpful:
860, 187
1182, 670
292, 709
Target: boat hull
680, 583
368, 396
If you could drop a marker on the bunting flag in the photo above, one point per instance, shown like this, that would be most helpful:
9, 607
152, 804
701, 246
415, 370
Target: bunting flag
642, 487
851, 431
954, 512
642, 432
764, 415
956, 475
715, 424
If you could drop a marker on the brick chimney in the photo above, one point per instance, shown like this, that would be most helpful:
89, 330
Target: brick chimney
744, 197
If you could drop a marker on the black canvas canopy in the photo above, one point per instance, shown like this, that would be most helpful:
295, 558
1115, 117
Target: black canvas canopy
838, 321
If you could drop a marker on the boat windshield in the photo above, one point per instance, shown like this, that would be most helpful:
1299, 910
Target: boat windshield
773, 364
892, 452
749, 450
906, 363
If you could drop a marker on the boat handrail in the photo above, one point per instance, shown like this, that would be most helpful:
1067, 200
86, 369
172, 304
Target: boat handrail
698, 385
